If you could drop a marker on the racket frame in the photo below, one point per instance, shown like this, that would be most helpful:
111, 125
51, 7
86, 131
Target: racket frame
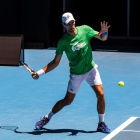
27, 67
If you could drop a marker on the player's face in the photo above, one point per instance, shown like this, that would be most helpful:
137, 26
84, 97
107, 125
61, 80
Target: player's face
70, 27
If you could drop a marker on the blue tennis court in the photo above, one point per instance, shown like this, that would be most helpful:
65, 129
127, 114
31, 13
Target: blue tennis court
24, 100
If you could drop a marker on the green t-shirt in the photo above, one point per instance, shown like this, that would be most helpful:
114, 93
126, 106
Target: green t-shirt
78, 49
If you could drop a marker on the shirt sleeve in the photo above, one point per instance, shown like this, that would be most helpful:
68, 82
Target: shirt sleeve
60, 48
91, 32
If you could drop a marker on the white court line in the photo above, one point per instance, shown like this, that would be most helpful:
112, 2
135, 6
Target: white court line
131, 131
118, 129
135, 108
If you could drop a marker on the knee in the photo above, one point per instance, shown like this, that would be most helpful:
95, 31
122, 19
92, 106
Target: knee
100, 95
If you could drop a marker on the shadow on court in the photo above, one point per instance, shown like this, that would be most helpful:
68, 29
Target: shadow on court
44, 130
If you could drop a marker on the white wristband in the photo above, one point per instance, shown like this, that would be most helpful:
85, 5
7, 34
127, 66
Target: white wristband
40, 72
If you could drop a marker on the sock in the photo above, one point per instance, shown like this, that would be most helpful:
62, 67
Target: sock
49, 115
101, 118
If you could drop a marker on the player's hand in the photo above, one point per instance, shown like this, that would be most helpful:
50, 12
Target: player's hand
104, 27
35, 75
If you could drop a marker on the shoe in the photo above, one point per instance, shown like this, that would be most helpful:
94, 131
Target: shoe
102, 127
43, 121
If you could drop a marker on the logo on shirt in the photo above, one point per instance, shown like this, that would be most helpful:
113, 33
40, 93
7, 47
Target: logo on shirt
78, 47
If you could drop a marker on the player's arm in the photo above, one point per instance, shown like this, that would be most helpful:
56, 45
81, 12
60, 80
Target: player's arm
103, 34
49, 67
53, 64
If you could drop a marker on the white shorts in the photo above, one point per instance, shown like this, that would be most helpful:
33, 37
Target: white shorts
92, 78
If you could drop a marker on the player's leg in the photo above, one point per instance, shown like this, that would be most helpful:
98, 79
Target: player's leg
94, 80
68, 99
64, 102
98, 89
102, 127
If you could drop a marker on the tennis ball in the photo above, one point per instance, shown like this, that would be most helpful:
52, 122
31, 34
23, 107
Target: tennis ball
121, 83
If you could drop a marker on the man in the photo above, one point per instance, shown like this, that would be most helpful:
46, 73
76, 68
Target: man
76, 44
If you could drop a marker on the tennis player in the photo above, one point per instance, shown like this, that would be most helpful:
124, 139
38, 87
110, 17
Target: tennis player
76, 44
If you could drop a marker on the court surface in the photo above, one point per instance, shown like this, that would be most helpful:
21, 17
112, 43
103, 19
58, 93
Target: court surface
24, 100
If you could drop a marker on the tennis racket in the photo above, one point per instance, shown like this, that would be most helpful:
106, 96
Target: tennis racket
27, 67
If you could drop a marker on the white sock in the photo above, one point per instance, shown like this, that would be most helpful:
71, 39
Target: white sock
49, 115
101, 118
